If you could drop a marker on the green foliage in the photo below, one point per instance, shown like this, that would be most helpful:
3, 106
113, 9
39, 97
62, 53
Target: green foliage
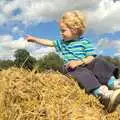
23, 59
50, 61
4, 64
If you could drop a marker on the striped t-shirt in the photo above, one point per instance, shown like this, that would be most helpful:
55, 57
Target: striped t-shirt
74, 49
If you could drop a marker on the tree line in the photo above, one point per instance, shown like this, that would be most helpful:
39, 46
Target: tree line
50, 61
24, 60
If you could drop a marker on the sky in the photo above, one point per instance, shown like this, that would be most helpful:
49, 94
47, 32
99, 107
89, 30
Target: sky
40, 18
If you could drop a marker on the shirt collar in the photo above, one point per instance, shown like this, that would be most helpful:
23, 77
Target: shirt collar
79, 38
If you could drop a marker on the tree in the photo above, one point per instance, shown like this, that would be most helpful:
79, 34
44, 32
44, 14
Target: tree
4, 64
50, 61
23, 59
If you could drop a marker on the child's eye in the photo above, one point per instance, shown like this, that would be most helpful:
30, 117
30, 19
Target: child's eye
62, 30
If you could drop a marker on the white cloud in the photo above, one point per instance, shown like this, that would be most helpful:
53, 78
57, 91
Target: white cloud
105, 19
5, 38
9, 7
8, 46
41, 10
8, 42
17, 30
44, 10
103, 15
105, 44
39, 52
2, 18
116, 44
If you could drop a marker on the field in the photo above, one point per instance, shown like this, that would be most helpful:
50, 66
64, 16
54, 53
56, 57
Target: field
26, 95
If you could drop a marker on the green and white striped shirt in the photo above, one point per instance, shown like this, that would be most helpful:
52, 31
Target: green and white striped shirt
74, 49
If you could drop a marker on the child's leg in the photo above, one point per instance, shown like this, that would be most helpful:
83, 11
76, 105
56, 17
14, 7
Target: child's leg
103, 70
85, 78
113, 83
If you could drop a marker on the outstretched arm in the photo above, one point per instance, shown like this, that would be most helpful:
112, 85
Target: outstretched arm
45, 42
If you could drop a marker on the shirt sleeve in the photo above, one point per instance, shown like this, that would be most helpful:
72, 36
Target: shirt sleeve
57, 44
89, 49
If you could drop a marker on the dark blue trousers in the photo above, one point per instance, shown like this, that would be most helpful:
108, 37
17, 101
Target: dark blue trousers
93, 75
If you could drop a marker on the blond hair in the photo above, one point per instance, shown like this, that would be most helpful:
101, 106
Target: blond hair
75, 21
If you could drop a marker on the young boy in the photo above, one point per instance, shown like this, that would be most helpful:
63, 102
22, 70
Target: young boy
93, 74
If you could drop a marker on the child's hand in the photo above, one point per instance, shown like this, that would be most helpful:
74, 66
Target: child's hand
30, 38
72, 64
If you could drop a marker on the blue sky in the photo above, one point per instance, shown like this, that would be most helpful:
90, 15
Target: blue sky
39, 18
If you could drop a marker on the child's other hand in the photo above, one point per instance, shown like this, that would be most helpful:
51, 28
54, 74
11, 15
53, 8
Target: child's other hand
72, 64
30, 38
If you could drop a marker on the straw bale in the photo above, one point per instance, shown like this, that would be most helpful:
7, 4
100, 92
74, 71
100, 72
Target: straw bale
48, 95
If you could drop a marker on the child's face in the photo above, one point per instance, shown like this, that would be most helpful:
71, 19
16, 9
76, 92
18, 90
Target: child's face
66, 33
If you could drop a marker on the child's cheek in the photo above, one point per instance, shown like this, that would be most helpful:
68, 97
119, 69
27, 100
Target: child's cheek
68, 35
